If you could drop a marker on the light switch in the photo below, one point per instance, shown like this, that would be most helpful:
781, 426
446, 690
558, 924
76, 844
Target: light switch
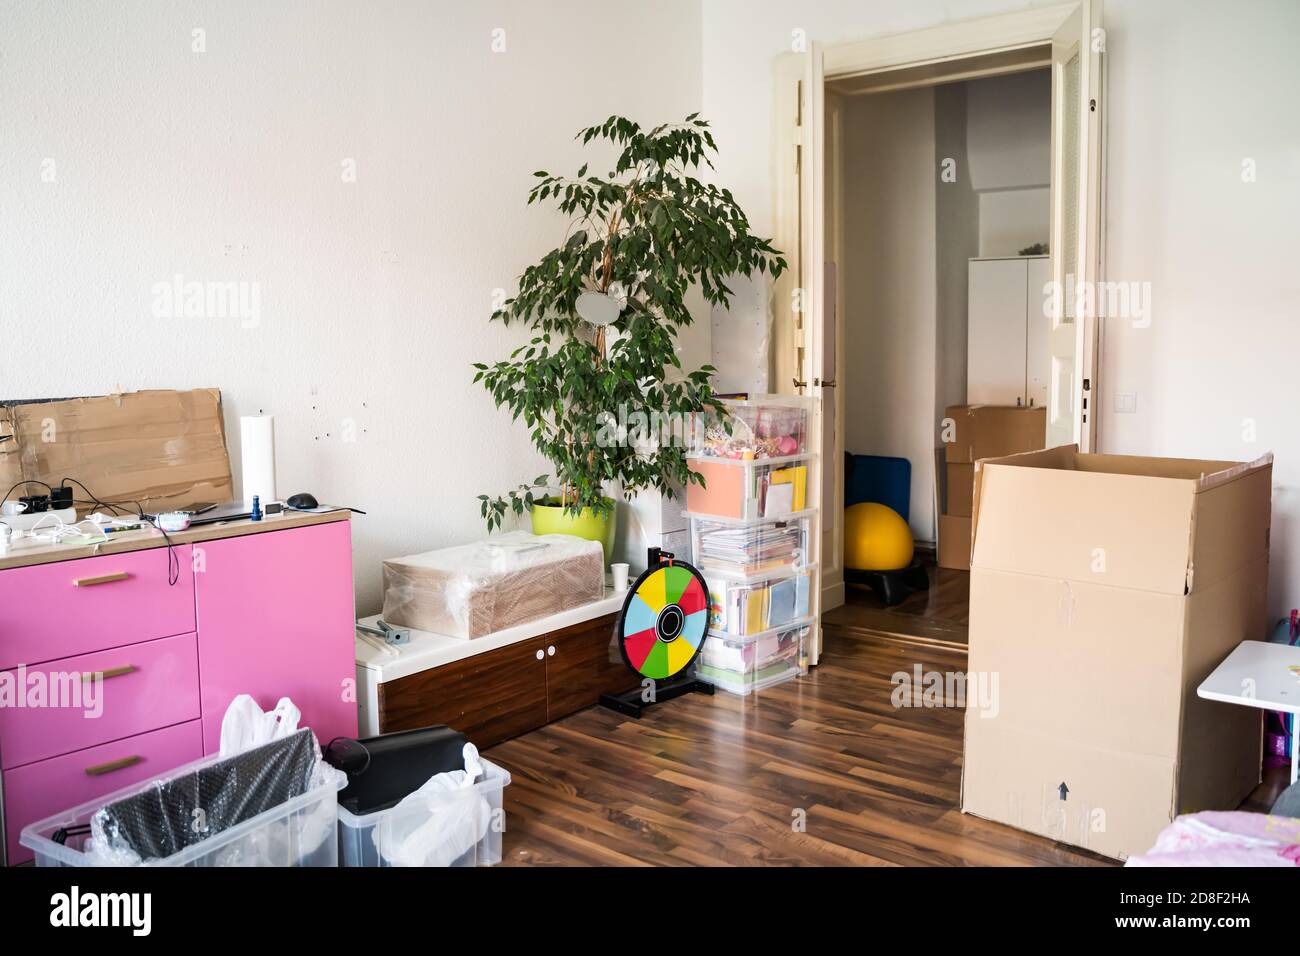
1126, 403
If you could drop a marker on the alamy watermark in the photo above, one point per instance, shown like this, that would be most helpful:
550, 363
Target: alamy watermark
922, 688
1105, 299
197, 299
53, 690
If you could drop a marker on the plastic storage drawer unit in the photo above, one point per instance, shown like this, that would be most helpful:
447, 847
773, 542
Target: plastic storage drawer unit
773, 426
750, 488
360, 837
737, 547
744, 605
745, 664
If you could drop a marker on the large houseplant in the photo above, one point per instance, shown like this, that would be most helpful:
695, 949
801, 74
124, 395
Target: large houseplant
600, 379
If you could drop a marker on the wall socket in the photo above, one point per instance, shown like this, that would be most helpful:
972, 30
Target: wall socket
1126, 403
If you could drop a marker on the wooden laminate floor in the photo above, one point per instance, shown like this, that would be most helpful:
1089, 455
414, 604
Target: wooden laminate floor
724, 780
937, 616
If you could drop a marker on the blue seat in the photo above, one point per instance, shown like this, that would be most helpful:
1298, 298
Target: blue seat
887, 481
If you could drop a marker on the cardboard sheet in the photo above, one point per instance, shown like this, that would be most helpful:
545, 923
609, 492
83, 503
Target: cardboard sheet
164, 449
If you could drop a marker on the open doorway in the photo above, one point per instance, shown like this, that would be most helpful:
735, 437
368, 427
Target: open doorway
807, 356
937, 231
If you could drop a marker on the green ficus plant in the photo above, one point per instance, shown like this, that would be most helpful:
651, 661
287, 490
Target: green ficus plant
643, 235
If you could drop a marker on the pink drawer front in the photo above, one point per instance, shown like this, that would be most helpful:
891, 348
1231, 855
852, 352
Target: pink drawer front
50, 611
56, 710
40, 790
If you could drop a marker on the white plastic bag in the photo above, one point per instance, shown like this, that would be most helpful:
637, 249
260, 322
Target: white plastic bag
440, 822
247, 725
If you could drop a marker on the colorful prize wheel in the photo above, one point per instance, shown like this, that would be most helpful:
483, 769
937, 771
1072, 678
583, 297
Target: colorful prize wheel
665, 621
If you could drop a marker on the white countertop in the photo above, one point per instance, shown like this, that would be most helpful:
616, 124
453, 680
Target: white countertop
427, 650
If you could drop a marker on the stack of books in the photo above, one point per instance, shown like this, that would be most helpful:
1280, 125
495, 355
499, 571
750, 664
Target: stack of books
750, 550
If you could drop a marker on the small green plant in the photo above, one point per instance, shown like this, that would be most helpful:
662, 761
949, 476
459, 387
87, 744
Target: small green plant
642, 235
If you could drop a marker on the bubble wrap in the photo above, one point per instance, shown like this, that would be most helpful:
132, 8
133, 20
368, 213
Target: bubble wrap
476, 589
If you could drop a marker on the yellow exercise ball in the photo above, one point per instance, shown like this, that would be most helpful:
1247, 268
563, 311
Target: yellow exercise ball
876, 538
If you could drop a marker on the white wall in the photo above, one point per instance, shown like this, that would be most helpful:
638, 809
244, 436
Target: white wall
1009, 133
227, 165
1215, 372
889, 285
1194, 88
1013, 219
957, 241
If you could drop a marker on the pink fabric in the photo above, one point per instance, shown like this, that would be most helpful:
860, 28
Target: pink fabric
1225, 838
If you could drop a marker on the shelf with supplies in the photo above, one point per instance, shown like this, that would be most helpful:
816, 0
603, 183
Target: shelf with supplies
750, 605
751, 488
744, 548
744, 664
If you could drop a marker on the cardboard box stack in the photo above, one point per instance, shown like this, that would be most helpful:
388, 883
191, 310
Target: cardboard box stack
980, 431
1103, 590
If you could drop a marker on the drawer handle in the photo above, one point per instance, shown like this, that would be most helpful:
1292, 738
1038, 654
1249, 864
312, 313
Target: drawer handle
120, 763
111, 672
100, 579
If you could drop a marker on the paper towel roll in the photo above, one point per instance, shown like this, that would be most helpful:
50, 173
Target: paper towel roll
257, 450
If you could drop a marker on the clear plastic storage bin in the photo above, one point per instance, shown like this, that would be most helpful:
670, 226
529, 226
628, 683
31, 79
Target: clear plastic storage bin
742, 605
742, 665
765, 426
481, 805
299, 832
738, 547
750, 489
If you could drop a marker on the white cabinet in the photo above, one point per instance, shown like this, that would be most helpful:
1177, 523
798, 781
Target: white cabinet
1006, 339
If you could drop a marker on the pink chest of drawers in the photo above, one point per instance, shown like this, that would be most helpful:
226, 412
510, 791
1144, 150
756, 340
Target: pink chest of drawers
265, 611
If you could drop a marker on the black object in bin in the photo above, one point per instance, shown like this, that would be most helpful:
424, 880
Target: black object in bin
382, 770
177, 813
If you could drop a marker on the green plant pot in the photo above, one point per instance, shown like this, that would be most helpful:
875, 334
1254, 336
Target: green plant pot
588, 524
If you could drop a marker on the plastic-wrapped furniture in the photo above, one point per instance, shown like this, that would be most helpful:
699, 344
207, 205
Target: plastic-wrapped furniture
477, 589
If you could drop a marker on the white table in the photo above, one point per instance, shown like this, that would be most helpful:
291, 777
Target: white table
1262, 675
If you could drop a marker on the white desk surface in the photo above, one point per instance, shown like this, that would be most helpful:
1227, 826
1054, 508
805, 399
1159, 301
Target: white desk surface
427, 650
1257, 674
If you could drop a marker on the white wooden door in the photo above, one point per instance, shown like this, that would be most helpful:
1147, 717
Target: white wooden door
799, 333
996, 333
1037, 328
1075, 243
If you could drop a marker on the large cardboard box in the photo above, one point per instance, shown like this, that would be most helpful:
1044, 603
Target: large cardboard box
1104, 589
954, 542
992, 431
961, 487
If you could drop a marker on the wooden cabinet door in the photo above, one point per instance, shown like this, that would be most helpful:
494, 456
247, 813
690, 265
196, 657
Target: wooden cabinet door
275, 619
995, 338
583, 664
489, 698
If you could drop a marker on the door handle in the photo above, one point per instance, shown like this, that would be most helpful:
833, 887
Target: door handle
121, 763
825, 383
550, 651
541, 654
100, 579
111, 672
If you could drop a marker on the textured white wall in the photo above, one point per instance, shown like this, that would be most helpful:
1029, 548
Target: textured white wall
1195, 87
228, 165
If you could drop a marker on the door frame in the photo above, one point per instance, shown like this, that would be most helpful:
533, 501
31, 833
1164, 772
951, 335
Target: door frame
953, 40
